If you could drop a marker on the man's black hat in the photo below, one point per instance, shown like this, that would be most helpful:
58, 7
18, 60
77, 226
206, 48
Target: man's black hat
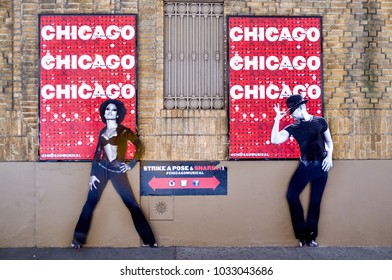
294, 101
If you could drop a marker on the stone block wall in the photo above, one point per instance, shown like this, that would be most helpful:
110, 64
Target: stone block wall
357, 52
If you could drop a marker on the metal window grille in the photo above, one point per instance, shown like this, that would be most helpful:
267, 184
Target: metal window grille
193, 55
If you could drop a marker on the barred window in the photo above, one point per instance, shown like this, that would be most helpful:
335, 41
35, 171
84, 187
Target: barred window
193, 55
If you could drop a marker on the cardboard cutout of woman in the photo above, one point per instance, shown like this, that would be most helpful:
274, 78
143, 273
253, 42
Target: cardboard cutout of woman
109, 164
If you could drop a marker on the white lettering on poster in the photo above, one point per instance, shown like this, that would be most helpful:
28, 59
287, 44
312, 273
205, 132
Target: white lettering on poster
85, 32
85, 91
273, 34
86, 62
273, 91
274, 63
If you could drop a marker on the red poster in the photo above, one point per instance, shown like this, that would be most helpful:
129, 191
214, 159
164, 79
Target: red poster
83, 61
270, 58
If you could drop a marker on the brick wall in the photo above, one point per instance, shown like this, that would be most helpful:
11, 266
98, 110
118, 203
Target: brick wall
356, 63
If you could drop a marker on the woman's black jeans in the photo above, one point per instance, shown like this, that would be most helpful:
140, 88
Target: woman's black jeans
307, 171
105, 171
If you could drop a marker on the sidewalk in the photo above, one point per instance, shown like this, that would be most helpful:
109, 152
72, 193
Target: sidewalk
199, 253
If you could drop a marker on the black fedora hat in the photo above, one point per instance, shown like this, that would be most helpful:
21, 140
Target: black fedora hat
294, 101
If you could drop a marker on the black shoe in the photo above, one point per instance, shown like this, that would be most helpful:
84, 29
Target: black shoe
75, 244
152, 245
312, 243
301, 242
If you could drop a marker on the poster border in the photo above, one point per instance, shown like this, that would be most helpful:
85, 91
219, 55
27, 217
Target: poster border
228, 77
39, 78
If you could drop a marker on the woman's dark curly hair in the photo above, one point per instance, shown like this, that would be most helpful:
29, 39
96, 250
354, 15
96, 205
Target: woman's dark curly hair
121, 111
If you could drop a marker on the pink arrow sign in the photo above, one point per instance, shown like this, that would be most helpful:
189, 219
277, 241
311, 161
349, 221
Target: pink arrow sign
184, 183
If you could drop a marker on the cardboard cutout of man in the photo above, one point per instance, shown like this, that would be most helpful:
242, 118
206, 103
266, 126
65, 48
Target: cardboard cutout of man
109, 164
316, 146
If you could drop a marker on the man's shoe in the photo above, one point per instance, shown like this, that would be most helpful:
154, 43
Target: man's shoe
312, 243
152, 245
75, 244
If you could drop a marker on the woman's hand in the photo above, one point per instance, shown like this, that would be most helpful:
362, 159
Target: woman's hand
125, 167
